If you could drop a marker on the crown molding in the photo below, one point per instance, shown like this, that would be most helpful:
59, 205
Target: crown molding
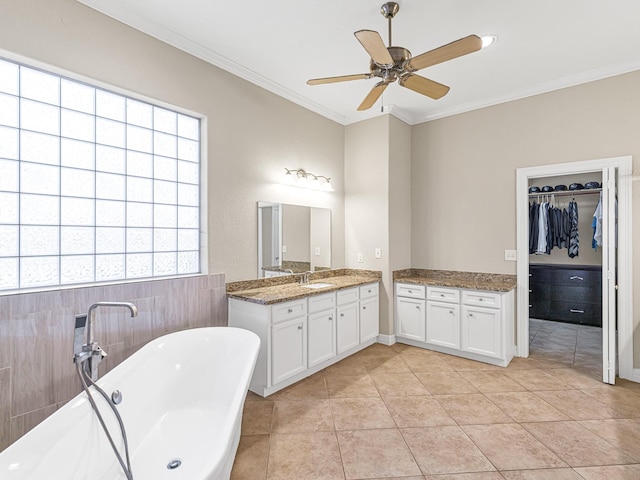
176, 40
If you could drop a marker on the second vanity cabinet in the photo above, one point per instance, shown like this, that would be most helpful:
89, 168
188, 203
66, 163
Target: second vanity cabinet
303, 336
470, 323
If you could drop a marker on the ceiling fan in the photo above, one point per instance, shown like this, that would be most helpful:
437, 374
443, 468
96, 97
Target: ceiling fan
396, 63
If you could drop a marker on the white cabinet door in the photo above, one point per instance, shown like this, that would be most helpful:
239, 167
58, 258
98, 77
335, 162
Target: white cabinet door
347, 326
443, 324
288, 349
411, 318
322, 337
369, 327
481, 331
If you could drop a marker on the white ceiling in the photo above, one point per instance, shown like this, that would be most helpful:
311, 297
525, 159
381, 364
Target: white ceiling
279, 45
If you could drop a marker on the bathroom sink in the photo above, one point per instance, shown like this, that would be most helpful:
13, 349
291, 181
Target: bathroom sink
318, 285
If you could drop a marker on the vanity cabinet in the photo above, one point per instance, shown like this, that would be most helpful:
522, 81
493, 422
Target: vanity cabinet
303, 336
348, 319
474, 324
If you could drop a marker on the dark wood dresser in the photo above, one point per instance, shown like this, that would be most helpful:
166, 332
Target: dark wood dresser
566, 293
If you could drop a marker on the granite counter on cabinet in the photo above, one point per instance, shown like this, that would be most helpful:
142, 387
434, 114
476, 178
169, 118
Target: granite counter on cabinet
493, 282
268, 291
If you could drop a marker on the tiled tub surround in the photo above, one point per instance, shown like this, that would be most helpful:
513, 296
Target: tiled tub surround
467, 314
37, 375
267, 291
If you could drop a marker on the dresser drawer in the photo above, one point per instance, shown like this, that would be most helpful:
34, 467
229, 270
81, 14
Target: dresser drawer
288, 310
576, 277
410, 290
318, 303
574, 312
442, 294
481, 299
576, 294
348, 295
368, 291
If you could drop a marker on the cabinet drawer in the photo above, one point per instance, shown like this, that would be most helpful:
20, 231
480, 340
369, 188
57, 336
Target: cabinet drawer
367, 291
577, 294
573, 312
442, 294
481, 299
348, 295
322, 302
288, 310
576, 277
410, 290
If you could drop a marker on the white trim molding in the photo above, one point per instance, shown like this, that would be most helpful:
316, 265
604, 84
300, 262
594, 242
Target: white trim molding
623, 166
386, 339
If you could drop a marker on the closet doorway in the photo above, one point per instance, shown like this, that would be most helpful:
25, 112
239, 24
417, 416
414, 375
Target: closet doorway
617, 319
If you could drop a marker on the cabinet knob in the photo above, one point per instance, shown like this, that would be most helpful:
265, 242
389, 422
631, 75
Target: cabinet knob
410, 291
471, 315
364, 307
330, 317
342, 314
418, 307
289, 310
300, 327
369, 291
442, 294
451, 312
481, 299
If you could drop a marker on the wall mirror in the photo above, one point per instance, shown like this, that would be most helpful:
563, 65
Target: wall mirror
292, 238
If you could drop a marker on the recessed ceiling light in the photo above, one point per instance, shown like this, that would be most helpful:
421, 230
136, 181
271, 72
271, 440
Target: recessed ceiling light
488, 40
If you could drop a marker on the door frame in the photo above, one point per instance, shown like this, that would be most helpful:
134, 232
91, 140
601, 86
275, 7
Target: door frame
625, 273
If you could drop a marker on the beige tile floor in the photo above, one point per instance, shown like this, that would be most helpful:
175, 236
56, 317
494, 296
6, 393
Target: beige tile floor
406, 413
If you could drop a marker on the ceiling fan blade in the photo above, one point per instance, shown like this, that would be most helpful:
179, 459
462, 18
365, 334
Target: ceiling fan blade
452, 50
424, 86
373, 96
343, 78
373, 44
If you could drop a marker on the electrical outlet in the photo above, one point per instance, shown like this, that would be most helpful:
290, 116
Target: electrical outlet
317, 251
284, 249
378, 253
360, 258
510, 255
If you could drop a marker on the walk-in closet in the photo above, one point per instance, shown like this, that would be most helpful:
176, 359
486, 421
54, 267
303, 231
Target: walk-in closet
565, 270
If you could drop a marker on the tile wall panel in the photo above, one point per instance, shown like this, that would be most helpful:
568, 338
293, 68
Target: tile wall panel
37, 374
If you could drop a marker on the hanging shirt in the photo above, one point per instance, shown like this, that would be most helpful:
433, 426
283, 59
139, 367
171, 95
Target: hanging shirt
541, 247
574, 236
597, 225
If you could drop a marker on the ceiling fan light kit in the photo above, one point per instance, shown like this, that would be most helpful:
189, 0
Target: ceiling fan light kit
396, 63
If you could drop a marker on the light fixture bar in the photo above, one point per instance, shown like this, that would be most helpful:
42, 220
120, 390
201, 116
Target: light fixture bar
301, 178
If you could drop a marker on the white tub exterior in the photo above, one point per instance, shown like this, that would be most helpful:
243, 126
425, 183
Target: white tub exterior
183, 396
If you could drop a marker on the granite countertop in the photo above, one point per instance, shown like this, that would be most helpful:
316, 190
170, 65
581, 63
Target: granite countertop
267, 291
494, 282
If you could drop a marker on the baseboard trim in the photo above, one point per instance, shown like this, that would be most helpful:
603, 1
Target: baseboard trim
386, 339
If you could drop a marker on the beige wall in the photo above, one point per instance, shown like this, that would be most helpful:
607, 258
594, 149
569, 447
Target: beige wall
464, 167
296, 233
252, 134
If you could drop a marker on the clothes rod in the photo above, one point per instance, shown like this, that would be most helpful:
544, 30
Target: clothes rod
567, 193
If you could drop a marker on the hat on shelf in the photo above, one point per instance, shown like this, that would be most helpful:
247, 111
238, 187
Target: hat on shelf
560, 188
547, 188
590, 185
576, 186
534, 189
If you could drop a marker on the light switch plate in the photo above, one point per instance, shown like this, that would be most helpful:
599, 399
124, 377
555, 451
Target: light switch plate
378, 253
317, 251
510, 255
284, 249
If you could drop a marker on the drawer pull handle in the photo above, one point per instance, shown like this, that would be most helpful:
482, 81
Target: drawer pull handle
575, 277
299, 327
576, 311
289, 310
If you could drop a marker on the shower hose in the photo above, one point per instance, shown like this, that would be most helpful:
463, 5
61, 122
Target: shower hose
86, 382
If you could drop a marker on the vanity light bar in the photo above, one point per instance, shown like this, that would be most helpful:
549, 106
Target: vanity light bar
300, 178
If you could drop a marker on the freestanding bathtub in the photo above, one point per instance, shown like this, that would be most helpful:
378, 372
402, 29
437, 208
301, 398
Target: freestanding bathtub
183, 396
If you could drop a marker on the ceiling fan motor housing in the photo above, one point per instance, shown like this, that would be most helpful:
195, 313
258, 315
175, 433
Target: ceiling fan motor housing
400, 56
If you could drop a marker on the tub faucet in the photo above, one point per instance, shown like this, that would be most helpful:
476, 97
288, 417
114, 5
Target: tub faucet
91, 351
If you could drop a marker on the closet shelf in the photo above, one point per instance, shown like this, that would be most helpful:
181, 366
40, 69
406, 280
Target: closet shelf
567, 193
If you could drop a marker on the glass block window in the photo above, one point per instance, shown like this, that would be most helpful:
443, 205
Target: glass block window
95, 186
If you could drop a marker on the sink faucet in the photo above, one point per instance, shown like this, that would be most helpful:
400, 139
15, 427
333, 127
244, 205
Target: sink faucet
90, 351
304, 278
288, 270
